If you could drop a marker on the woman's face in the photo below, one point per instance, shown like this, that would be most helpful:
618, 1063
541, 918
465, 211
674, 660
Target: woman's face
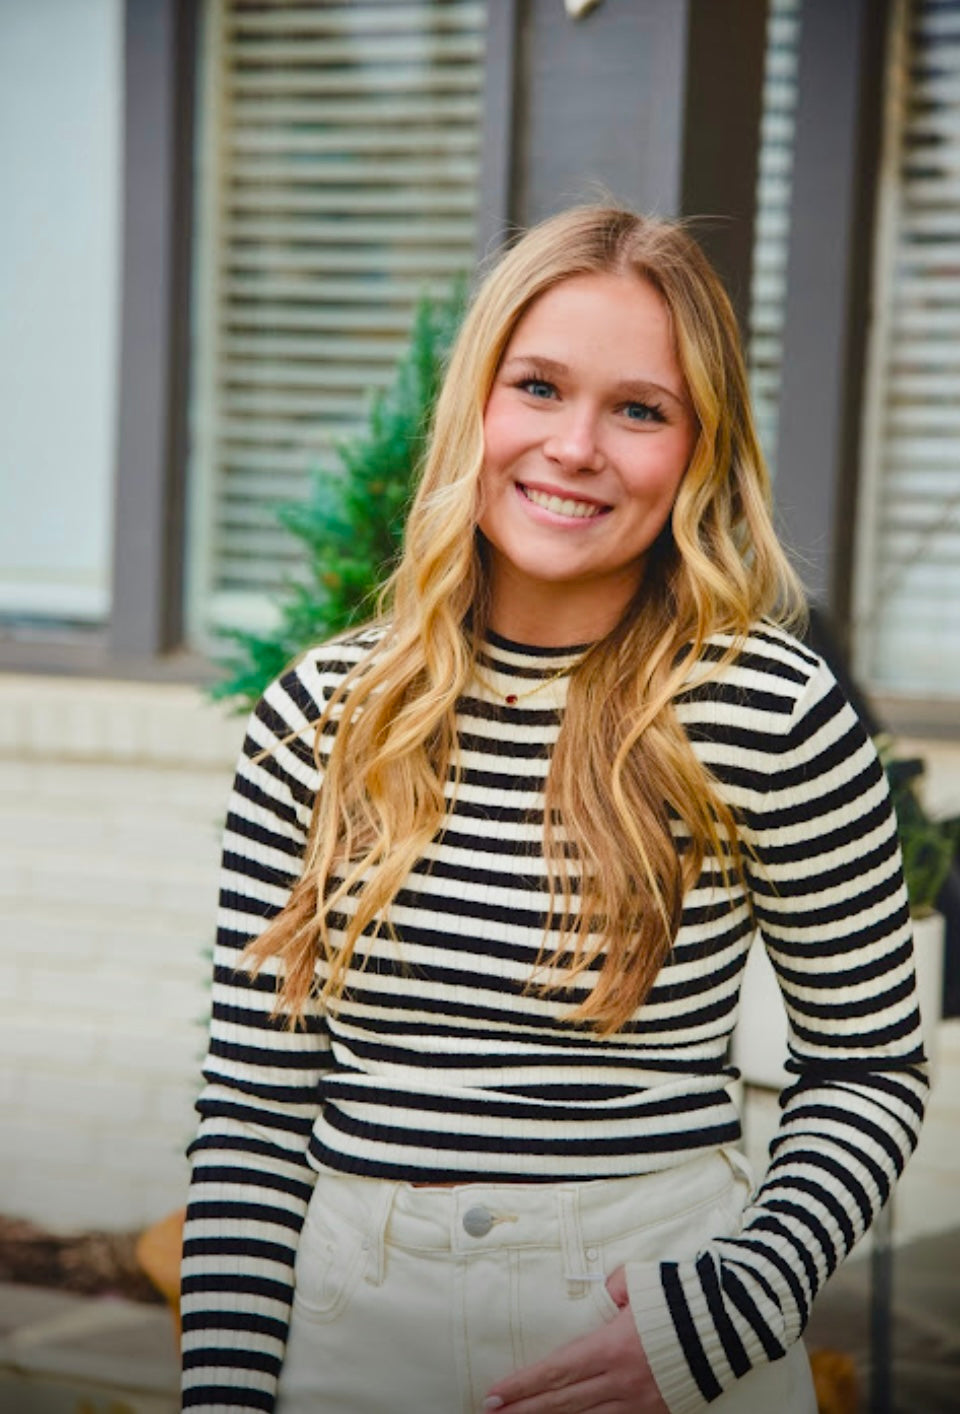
587, 433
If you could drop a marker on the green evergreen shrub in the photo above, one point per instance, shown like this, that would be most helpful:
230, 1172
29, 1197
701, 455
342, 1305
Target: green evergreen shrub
929, 846
351, 524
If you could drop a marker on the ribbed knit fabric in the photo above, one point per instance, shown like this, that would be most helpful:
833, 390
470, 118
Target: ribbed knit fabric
441, 1064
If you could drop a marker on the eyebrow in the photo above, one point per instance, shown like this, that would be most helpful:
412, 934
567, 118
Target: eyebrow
625, 388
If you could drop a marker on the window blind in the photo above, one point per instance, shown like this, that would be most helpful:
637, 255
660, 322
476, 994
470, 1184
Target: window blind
774, 183
338, 172
908, 585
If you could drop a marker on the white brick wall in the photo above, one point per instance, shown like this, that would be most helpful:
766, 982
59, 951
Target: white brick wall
111, 798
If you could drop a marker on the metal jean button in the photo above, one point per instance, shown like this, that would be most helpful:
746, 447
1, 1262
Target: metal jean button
478, 1221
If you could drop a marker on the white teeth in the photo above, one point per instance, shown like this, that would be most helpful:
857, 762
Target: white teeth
582, 510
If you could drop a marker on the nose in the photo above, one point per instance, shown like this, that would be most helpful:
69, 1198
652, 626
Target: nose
574, 442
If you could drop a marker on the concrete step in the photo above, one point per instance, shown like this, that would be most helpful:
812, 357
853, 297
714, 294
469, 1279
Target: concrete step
61, 1353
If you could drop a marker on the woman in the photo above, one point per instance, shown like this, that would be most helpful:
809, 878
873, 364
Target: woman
564, 778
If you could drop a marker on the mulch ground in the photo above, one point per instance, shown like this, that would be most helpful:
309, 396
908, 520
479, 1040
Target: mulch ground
90, 1263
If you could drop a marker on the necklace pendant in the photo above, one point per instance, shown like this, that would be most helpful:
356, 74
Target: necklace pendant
511, 699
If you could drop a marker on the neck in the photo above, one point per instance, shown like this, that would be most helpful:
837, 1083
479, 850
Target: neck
552, 613
546, 616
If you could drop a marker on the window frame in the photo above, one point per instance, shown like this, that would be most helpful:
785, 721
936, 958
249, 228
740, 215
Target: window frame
144, 637
903, 712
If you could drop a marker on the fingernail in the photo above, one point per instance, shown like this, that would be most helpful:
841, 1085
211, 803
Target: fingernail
494, 1402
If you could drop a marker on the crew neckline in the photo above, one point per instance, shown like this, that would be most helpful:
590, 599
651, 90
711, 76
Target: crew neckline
533, 650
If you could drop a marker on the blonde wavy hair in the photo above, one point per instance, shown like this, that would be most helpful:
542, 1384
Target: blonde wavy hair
622, 766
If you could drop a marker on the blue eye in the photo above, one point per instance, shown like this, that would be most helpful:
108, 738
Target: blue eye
537, 387
643, 412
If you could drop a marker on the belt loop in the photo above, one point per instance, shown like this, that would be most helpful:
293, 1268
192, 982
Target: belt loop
574, 1259
375, 1239
740, 1164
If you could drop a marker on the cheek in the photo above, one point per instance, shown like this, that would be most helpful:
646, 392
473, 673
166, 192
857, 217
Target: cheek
510, 431
677, 461
656, 479
490, 486
496, 439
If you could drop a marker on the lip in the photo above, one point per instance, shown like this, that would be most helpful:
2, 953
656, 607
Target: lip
548, 517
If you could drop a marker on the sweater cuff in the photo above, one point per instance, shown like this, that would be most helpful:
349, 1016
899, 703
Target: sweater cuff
682, 1390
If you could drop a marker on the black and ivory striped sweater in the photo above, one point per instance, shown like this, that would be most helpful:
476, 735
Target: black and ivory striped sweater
442, 1065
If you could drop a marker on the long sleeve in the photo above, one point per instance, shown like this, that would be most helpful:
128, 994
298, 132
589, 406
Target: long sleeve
251, 1182
829, 901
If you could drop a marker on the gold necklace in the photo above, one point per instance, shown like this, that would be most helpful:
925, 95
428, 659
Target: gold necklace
511, 699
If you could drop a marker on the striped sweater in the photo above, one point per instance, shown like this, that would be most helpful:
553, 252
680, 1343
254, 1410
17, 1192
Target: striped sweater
441, 1063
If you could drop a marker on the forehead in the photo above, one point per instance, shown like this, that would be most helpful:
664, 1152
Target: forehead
600, 321
621, 303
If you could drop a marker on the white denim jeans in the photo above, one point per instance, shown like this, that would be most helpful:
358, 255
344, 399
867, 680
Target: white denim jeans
416, 1300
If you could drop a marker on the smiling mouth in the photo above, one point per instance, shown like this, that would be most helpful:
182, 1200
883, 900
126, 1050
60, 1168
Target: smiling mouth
560, 506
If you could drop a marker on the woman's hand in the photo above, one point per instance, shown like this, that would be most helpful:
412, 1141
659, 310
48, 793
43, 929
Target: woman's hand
605, 1372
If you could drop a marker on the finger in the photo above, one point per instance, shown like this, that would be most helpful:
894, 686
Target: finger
617, 1287
591, 1395
578, 1360
610, 1364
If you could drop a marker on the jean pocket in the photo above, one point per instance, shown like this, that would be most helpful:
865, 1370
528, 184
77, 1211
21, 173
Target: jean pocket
329, 1262
603, 1301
